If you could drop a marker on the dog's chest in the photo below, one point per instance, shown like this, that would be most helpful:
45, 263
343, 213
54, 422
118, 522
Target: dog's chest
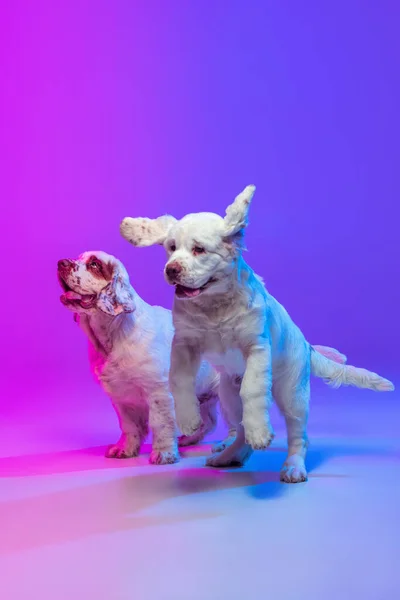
135, 367
231, 362
221, 350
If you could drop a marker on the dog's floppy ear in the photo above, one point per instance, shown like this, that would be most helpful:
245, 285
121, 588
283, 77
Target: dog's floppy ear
146, 232
117, 297
236, 214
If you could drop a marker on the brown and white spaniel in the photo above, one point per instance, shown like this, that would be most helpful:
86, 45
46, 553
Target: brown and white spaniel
129, 350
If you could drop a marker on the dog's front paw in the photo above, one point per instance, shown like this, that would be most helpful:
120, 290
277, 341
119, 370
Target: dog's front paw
197, 437
164, 457
294, 470
126, 447
230, 457
259, 438
191, 440
220, 446
190, 426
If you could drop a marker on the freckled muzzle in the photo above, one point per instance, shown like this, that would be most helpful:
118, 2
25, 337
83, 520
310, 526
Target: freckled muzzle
64, 269
65, 266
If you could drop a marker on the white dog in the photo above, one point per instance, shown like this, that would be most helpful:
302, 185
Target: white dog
130, 344
222, 311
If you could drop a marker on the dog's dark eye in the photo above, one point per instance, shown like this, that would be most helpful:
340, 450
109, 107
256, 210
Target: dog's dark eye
93, 265
198, 250
172, 247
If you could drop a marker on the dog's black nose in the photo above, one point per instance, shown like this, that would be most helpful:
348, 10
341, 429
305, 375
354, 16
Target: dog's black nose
64, 263
173, 270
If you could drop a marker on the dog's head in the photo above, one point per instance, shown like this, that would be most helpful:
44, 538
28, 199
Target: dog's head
95, 280
202, 248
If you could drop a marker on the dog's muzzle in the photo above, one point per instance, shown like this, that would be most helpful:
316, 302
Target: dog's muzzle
173, 272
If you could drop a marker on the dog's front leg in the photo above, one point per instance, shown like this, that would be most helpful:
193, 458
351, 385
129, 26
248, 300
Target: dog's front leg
163, 427
256, 395
132, 421
185, 362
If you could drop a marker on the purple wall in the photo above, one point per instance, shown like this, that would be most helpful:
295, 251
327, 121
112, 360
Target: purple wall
140, 108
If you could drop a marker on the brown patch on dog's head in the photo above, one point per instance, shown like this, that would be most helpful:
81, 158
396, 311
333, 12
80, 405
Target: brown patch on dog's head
99, 268
96, 280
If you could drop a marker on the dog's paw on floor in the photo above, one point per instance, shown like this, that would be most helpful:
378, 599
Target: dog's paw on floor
126, 447
192, 440
165, 457
294, 470
220, 446
230, 457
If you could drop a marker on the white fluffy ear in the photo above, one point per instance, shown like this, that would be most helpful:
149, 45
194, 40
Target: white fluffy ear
117, 297
146, 232
236, 214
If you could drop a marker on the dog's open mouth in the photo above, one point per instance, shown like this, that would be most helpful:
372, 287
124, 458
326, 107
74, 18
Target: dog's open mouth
185, 292
71, 297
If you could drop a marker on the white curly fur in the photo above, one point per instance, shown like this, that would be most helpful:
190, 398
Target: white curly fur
223, 312
129, 352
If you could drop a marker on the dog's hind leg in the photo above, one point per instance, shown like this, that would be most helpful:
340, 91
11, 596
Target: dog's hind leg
208, 412
235, 452
185, 362
292, 395
230, 438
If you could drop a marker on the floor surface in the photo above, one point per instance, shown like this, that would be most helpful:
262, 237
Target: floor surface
75, 525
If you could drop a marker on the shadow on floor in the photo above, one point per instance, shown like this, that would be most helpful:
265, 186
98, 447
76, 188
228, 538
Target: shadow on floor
122, 503
119, 504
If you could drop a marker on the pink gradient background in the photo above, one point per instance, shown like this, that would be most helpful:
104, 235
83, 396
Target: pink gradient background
135, 108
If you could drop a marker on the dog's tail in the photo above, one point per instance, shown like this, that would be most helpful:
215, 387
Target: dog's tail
331, 353
336, 374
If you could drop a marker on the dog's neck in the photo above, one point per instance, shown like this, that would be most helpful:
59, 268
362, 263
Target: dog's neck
104, 330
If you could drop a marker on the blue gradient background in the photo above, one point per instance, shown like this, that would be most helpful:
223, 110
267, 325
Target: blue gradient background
141, 108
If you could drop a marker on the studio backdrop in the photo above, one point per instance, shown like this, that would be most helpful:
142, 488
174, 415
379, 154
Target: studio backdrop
114, 109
